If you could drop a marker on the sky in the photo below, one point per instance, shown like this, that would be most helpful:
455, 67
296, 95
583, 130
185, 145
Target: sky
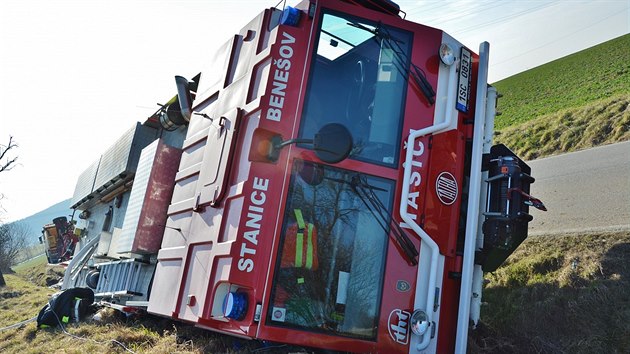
75, 75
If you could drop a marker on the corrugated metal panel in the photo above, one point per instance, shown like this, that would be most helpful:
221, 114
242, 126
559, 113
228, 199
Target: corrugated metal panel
121, 158
150, 195
136, 199
114, 168
85, 184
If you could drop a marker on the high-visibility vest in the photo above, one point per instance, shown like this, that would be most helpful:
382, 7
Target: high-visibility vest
300, 245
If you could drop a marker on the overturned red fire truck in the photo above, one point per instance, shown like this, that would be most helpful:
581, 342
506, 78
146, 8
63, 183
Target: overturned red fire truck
59, 240
328, 181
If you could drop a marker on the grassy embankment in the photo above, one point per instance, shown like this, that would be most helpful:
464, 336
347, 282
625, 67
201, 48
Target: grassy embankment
574, 103
567, 293
559, 294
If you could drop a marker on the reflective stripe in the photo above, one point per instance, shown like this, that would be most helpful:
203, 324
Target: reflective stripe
337, 316
77, 304
299, 218
299, 240
309, 248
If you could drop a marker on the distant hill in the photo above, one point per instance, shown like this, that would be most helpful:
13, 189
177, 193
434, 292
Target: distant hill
573, 103
36, 221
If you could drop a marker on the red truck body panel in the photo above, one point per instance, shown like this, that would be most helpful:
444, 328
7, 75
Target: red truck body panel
229, 212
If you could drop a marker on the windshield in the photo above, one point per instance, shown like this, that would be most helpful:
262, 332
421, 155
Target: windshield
329, 272
359, 80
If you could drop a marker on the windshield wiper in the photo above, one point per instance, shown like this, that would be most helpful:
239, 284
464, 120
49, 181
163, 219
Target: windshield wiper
366, 193
403, 62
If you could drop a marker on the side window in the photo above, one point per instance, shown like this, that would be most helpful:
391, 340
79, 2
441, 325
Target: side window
359, 79
329, 273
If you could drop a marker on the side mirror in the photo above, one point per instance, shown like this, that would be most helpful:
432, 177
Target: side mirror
184, 97
332, 144
311, 173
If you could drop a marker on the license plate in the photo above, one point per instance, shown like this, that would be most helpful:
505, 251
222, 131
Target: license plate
463, 87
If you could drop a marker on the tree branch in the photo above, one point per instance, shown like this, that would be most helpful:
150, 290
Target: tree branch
9, 163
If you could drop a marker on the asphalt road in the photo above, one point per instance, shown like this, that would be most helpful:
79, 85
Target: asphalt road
583, 191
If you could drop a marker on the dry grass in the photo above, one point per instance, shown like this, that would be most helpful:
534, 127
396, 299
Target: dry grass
112, 334
560, 294
598, 123
26, 293
117, 334
21, 299
38, 272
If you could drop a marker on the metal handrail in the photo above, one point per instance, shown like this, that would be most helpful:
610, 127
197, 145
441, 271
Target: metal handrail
474, 202
79, 260
426, 239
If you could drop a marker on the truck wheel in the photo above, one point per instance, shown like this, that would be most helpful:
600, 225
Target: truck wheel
91, 279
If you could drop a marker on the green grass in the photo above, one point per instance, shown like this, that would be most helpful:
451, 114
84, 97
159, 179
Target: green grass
38, 261
571, 82
30, 252
573, 103
560, 294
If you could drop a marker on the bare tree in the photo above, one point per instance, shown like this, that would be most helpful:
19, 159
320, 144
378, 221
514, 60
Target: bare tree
13, 238
7, 163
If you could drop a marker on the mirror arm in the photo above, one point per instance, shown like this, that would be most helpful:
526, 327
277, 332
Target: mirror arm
332, 144
293, 141
277, 144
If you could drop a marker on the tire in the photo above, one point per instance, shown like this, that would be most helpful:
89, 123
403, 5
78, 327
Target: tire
91, 279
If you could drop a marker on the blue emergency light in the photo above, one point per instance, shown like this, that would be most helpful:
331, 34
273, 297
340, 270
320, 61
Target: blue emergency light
235, 305
290, 16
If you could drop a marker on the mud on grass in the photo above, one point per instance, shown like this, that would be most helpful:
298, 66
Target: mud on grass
559, 294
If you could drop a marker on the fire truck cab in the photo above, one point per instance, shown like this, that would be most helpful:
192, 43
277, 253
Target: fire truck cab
333, 187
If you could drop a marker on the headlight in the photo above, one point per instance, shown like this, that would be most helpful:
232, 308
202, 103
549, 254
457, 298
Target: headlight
419, 322
446, 54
